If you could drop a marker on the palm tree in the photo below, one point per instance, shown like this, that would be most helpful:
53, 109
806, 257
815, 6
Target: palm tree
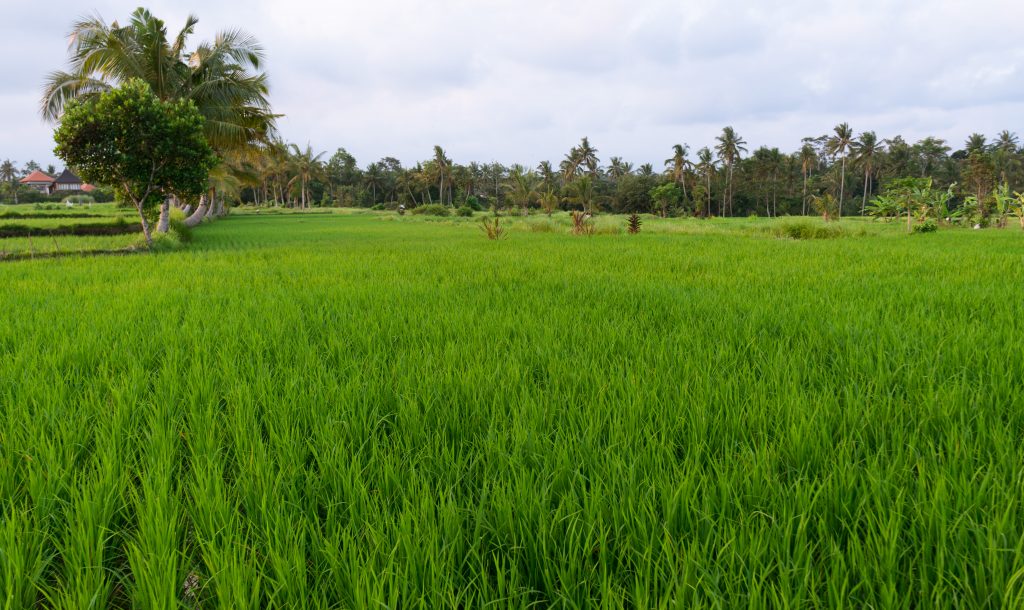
588, 156
618, 168
444, 165
307, 165
729, 148
975, 143
865, 151
840, 144
808, 161
706, 166
581, 192
522, 187
222, 78
373, 177
9, 174
678, 164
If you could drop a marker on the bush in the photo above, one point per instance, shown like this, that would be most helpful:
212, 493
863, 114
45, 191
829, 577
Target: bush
78, 200
803, 229
380, 207
431, 209
928, 226
464, 211
180, 230
474, 203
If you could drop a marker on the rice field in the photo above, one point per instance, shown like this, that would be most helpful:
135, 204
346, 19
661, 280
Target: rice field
362, 410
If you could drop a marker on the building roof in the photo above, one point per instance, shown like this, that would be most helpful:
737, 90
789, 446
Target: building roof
68, 178
37, 176
88, 188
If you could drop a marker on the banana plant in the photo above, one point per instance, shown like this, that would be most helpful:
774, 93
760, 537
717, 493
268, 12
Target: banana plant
1003, 200
883, 207
1017, 207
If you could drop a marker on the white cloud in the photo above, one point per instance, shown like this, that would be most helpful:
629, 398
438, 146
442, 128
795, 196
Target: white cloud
523, 81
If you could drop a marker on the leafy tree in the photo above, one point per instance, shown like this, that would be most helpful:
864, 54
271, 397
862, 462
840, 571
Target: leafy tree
146, 148
222, 78
666, 197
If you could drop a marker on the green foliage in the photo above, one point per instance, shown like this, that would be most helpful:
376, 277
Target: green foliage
928, 226
181, 231
666, 197
147, 148
435, 209
464, 210
474, 203
807, 229
826, 205
633, 224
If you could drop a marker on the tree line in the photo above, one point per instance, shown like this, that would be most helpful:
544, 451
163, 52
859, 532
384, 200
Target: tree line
721, 179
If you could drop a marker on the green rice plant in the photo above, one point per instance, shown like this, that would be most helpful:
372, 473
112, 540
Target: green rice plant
342, 411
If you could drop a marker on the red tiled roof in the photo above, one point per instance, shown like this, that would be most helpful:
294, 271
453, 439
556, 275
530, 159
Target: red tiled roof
37, 176
88, 188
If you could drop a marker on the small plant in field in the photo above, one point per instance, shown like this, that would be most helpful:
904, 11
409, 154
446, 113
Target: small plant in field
492, 228
465, 211
928, 226
633, 225
581, 223
826, 205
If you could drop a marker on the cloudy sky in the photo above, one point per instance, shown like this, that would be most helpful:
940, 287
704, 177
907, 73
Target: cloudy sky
523, 80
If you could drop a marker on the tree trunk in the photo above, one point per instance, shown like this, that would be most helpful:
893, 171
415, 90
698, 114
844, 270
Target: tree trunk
164, 224
842, 188
804, 213
864, 200
145, 226
199, 214
187, 209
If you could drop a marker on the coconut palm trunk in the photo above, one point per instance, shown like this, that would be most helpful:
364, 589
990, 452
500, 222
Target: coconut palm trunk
164, 224
200, 212
842, 187
867, 187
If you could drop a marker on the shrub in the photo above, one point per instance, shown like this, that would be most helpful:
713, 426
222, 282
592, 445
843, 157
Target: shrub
802, 229
492, 228
928, 226
464, 211
474, 203
634, 224
181, 230
379, 207
78, 200
432, 209
581, 223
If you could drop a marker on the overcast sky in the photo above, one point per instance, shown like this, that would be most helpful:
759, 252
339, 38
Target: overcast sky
523, 80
